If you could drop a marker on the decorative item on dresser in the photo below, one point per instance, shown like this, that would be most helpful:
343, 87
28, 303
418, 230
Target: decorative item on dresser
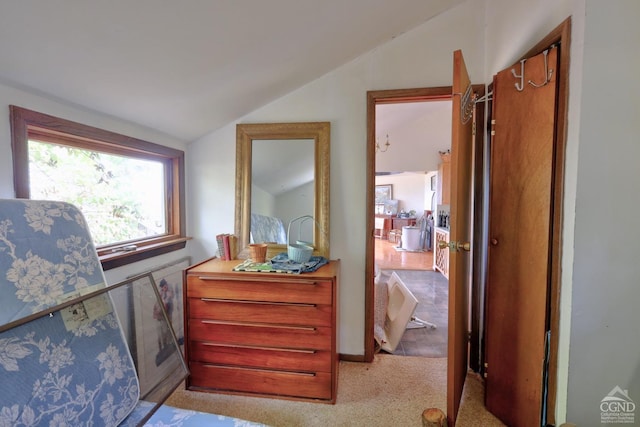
262, 334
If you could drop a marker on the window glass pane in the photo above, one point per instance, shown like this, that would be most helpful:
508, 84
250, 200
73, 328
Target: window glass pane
122, 198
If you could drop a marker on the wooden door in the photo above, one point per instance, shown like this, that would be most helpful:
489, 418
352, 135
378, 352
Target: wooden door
460, 232
520, 219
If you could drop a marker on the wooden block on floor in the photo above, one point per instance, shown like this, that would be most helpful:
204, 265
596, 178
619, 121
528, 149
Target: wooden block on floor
433, 417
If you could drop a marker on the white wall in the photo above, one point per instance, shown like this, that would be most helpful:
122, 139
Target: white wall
605, 336
22, 98
419, 58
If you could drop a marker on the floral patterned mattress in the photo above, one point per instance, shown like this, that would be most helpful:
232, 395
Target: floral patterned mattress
69, 365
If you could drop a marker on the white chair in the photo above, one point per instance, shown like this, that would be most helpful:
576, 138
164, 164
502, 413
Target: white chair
379, 227
401, 306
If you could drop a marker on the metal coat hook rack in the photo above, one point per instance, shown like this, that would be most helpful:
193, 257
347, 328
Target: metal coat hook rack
486, 97
467, 105
519, 86
547, 74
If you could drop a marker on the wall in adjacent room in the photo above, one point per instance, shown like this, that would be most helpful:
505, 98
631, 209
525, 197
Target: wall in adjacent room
409, 189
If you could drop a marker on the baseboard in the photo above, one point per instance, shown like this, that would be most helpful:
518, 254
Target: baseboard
352, 357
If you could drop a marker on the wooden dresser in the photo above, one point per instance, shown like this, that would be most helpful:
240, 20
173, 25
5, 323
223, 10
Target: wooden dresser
262, 334
398, 223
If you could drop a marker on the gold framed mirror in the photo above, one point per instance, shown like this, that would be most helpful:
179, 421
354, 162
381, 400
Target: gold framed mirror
288, 150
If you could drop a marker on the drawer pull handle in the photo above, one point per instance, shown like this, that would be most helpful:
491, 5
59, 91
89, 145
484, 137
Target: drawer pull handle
254, 347
241, 368
266, 279
295, 304
260, 325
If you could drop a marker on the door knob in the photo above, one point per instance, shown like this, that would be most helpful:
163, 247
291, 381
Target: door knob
466, 246
454, 246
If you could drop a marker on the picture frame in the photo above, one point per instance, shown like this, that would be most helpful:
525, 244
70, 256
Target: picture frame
391, 207
433, 183
153, 336
383, 193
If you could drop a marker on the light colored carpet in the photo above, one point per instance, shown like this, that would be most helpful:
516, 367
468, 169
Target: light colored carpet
472, 411
390, 391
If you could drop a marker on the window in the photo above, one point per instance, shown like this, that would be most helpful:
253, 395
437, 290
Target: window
130, 191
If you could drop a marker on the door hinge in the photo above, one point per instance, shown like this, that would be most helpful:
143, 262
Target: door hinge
493, 127
473, 129
486, 369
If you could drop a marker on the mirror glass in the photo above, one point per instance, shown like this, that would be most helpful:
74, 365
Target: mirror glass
282, 189
282, 185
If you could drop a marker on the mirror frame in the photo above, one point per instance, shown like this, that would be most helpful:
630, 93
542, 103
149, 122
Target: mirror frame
246, 134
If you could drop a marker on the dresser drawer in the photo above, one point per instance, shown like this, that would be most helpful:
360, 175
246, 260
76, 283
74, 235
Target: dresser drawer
251, 311
260, 356
254, 334
293, 289
263, 381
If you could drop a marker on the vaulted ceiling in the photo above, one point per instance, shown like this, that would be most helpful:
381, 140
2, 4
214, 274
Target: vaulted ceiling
188, 67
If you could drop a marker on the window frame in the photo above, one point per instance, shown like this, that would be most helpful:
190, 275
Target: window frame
26, 124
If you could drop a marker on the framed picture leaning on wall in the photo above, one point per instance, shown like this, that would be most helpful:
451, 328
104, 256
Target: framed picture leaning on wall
383, 193
168, 279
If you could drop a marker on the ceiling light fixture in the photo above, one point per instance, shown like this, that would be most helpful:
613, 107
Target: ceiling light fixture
386, 145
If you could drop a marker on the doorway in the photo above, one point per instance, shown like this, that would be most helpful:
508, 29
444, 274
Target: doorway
410, 135
463, 139
389, 97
